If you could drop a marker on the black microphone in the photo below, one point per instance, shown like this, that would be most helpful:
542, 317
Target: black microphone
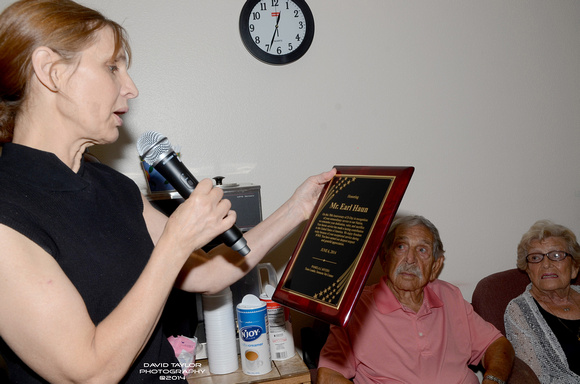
155, 149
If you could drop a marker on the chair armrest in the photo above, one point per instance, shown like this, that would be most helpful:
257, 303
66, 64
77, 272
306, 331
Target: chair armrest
522, 373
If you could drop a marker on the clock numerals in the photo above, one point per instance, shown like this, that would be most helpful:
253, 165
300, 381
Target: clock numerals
283, 28
273, 26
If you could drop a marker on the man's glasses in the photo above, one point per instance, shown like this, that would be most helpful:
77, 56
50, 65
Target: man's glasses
554, 256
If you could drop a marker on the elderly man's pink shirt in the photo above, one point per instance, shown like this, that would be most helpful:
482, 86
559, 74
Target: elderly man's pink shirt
387, 343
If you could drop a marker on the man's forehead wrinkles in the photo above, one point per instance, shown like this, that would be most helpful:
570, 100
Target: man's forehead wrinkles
420, 240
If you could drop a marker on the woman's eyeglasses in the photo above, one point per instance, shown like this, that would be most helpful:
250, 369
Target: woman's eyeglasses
554, 256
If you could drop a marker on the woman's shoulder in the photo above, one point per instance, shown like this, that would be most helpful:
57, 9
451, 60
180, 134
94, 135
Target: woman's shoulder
110, 178
522, 301
525, 295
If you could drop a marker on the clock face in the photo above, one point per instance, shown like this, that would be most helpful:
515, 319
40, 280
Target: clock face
277, 31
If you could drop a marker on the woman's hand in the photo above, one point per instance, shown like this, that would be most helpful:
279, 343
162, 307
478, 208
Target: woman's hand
306, 195
202, 217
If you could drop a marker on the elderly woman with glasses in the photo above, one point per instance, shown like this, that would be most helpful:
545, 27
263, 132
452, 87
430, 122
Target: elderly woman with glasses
543, 323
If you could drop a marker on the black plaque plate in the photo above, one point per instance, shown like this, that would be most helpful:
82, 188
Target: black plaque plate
339, 245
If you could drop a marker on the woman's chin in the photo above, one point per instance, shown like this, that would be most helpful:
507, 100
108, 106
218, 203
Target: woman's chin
112, 137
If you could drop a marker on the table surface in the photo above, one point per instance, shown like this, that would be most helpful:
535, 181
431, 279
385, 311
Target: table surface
289, 371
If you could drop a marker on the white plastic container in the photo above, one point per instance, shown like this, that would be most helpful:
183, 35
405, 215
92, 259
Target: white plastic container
253, 334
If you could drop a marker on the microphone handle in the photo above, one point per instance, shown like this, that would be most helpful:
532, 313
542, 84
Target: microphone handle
184, 183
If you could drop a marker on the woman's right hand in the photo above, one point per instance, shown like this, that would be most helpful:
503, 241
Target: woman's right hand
200, 219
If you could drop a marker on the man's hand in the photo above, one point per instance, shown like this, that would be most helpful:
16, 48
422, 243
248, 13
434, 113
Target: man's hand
498, 360
329, 376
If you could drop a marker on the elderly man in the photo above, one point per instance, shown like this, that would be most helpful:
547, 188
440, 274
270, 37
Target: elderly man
411, 327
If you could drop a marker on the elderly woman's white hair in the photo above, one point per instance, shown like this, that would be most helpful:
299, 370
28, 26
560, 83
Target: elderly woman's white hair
541, 230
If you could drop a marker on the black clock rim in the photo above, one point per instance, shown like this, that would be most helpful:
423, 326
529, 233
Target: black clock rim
276, 59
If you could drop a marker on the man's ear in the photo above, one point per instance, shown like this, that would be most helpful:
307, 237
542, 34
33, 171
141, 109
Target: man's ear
44, 62
383, 253
437, 267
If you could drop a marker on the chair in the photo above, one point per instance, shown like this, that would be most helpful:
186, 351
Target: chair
313, 339
490, 298
493, 293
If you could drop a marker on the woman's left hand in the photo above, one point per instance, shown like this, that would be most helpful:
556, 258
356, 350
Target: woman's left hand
306, 195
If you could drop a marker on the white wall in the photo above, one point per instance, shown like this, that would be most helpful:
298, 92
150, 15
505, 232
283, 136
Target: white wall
482, 97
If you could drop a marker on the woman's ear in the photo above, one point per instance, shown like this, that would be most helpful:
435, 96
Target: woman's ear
44, 62
574, 270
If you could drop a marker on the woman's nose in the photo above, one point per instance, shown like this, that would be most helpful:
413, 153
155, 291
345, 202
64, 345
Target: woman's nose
129, 89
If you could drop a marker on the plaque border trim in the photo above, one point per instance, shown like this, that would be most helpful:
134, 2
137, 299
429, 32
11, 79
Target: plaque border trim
361, 251
339, 314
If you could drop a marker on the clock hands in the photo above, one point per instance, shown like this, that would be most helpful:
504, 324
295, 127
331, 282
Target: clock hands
275, 31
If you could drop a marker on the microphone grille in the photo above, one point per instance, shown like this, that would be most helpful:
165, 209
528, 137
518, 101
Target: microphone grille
152, 146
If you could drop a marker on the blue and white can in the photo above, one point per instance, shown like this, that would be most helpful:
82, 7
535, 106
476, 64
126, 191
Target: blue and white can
253, 334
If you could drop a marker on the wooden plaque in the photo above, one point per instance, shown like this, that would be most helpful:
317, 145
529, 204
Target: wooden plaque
339, 245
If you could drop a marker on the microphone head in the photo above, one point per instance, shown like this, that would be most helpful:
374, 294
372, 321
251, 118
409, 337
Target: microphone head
153, 147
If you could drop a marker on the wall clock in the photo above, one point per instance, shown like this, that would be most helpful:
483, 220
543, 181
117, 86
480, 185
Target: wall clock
277, 31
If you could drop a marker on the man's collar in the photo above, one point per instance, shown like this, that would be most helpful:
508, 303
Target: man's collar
386, 301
